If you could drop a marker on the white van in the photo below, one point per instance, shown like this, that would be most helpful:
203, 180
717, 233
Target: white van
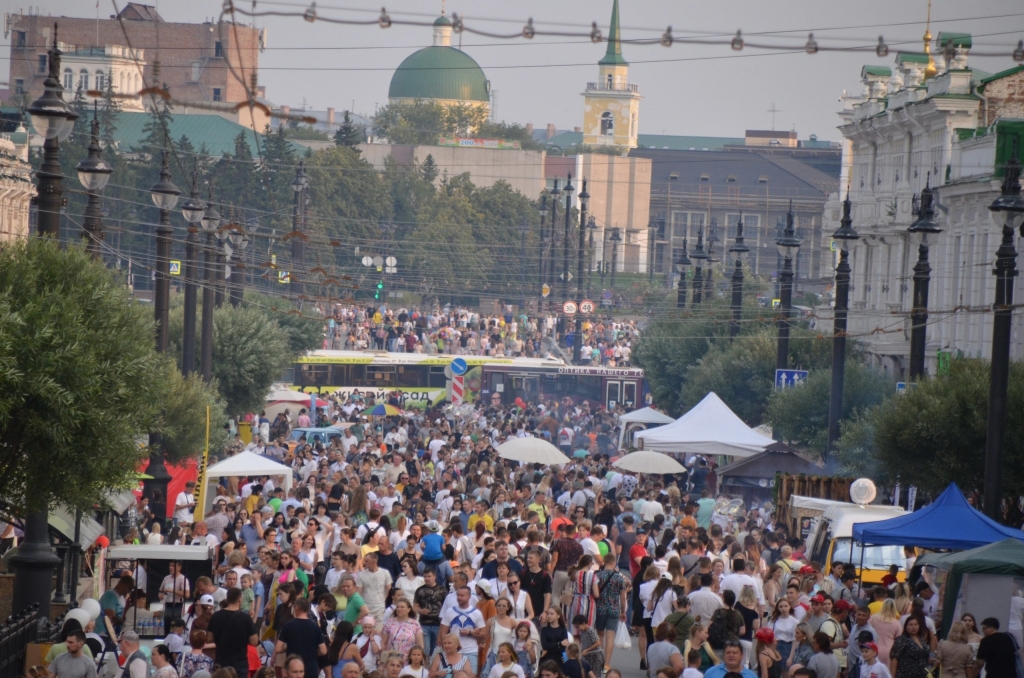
831, 540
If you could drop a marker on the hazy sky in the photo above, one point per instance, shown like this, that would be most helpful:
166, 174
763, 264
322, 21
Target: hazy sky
687, 89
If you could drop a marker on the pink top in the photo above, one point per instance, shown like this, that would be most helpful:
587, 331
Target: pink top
887, 633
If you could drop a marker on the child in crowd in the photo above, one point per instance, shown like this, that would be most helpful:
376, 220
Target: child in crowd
590, 645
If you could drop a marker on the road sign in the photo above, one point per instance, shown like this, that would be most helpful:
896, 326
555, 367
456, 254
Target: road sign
378, 261
175, 267
776, 303
607, 294
545, 291
367, 261
586, 306
569, 308
391, 261
459, 366
902, 387
565, 276
458, 389
283, 277
789, 378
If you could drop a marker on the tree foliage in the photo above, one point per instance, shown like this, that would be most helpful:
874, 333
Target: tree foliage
80, 380
249, 353
348, 134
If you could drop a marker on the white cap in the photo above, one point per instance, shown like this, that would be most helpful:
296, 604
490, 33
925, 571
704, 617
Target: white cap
206, 600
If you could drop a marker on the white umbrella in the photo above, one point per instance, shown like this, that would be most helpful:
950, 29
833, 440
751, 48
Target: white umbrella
288, 394
532, 451
649, 462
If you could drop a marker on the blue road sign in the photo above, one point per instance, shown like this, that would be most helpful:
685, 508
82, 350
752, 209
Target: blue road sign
789, 378
459, 366
902, 386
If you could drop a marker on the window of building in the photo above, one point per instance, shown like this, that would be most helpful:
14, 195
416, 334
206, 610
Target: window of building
762, 179
731, 179
609, 81
19, 38
69, 79
101, 80
19, 86
680, 224
83, 80
607, 124
218, 51
216, 94
43, 63
705, 177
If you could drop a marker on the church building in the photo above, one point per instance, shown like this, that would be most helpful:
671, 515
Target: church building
611, 106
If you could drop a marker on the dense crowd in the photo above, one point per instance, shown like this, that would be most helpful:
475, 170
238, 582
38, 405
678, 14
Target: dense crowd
461, 331
408, 547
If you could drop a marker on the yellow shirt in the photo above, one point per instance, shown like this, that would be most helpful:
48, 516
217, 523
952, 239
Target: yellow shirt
876, 606
366, 548
476, 518
250, 503
541, 512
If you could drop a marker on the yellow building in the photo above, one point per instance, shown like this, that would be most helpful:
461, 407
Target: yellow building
611, 106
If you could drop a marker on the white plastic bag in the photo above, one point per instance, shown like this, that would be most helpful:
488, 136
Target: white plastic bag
622, 637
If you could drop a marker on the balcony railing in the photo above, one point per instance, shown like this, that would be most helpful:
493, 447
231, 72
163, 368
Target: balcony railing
615, 87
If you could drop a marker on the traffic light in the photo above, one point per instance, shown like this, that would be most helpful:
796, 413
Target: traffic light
380, 290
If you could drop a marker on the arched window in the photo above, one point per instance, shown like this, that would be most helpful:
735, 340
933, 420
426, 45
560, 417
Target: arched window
69, 79
120, 87
83, 80
607, 124
101, 80
610, 81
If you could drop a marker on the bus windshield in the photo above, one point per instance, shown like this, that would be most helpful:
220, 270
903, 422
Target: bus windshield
875, 557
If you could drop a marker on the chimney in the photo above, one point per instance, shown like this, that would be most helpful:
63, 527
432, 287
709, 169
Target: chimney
577, 129
551, 131
330, 117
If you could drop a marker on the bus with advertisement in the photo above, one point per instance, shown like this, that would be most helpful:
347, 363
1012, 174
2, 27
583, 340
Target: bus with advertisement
425, 379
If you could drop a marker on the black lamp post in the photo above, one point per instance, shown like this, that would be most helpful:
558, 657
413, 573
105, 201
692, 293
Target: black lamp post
193, 210
221, 267
699, 256
53, 120
788, 246
299, 186
591, 227
237, 240
577, 343
542, 208
709, 271
615, 240
739, 249
1009, 205
925, 226
682, 264
556, 194
210, 223
568, 191
844, 238
94, 173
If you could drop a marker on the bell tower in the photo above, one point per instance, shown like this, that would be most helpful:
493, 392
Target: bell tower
611, 106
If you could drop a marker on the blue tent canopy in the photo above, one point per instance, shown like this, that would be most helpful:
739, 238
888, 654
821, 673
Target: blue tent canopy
947, 523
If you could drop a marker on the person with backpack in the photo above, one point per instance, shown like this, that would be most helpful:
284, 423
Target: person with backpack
726, 624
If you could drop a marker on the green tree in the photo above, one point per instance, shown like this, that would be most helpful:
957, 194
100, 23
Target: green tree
304, 333
249, 353
183, 417
79, 379
348, 134
428, 170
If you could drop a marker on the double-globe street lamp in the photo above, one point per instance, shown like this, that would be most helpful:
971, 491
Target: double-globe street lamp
94, 173
1010, 206
577, 344
542, 209
738, 250
193, 210
788, 245
210, 224
699, 256
924, 226
844, 238
682, 264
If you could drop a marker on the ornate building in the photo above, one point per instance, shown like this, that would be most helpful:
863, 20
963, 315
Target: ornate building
16, 188
611, 106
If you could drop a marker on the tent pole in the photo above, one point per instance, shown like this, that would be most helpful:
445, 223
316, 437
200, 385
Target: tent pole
860, 572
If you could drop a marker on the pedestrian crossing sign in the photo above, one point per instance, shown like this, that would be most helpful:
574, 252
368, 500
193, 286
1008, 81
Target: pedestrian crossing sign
175, 267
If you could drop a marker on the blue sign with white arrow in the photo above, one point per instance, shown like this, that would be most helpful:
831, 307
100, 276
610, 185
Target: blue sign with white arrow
459, 366
789, 378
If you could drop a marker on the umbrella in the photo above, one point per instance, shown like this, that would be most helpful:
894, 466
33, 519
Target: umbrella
532, 450
649, 462
383, 410
579, 454
287, 394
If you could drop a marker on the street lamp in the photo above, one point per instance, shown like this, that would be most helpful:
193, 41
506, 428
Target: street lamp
1009, 205
591, 227
699, 256
925, 226
238, 241
788, 245
299, 186
210, 223
193, 209
165, 196
577, 343
542, 208
709, 271
682, 264
568, 191
615, 240
844, 238
739, 249
53, 120
94, 173
221, 266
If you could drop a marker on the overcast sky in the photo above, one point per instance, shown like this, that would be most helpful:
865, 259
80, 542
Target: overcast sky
687, 89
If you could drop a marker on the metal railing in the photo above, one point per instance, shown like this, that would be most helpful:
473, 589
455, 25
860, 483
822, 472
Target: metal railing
15, 635
617, 87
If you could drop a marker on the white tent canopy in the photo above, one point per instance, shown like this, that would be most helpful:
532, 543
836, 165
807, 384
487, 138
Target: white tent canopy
640, 419
710, 428
252, 465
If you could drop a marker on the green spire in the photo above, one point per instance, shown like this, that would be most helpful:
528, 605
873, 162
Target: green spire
613, 55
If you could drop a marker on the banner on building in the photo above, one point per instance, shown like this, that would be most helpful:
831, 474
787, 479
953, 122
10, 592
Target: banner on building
464, 142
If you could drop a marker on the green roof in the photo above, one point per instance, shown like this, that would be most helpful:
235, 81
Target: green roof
216, 132
884, 71
439, 73
912, 57
1002, 74
686, 143
613, 55
442, 21
959, 39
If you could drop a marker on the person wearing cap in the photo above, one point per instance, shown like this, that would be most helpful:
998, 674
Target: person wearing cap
861, 632
817, 616
871, 667
833, 627
137, 664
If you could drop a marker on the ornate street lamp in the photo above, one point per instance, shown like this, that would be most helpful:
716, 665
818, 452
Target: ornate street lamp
615, 240
1010, 206
193, 210
921, 229
699, 256
94, 173
577, 343
165, 196
682, 265
739, 249
844, 239
299, 186
788, 245
210, 223
542, 209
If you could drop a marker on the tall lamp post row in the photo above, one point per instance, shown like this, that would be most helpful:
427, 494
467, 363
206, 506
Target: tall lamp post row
788, 245
577, 344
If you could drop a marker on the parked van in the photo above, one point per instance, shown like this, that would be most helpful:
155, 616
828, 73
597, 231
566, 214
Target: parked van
831, 540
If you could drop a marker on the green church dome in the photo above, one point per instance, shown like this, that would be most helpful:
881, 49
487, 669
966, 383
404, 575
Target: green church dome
439, 72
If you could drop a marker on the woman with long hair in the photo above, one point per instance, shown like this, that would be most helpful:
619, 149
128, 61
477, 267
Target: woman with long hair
342, 650
698, 641
662, 602
582, 578
953, 654
904, 598
887, 629
772, 586
358, 507
973, 632
802, 650
554, 637
402, 632
769, 659
501, 631
910, 653
308, 559
783, 625
675, 572
651, 575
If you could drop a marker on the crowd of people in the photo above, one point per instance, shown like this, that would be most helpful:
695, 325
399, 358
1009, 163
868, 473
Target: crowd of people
462, 331
408, 547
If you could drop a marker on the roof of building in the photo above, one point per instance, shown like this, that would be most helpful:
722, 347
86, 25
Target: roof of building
1002, 74
911, 57
217, 133
439, 72
958, 39
750, 172
442, 21
613, 54
883, 71
135, 11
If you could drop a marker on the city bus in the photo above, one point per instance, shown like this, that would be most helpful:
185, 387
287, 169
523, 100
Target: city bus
425, 379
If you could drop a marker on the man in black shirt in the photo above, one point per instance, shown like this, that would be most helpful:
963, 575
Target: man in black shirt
996, 653
427, 603
301, 637
536, 582
232, 631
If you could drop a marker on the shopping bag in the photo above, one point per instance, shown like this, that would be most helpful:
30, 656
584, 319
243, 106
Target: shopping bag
622, 638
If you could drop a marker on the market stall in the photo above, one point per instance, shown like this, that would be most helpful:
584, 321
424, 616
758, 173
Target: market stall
709, 428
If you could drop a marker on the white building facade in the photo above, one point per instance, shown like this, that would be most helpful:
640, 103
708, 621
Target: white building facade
905, 131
